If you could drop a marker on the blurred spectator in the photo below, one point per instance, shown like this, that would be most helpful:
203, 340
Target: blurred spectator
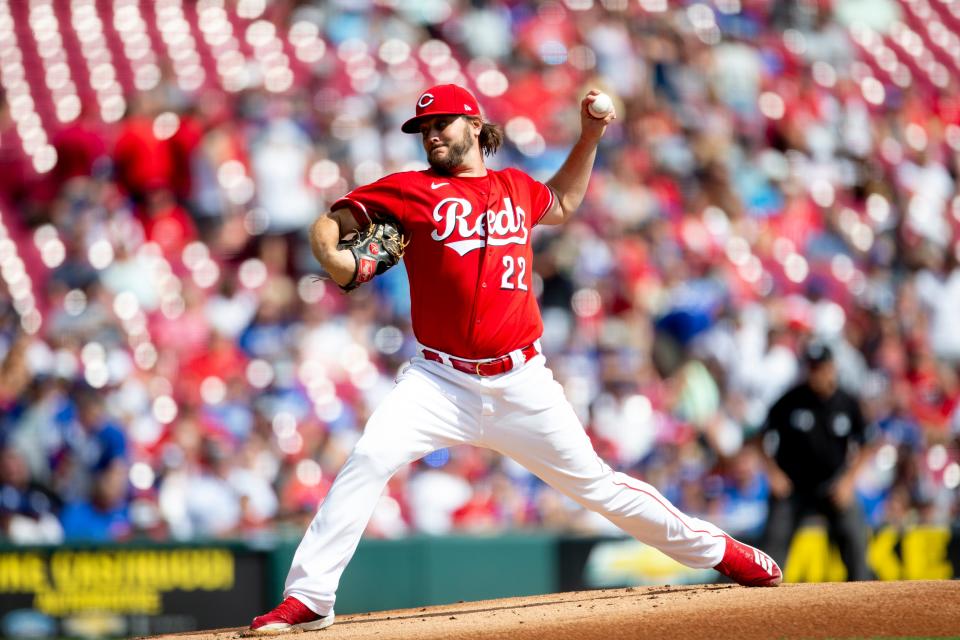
28, 511
142, 161
281, 156
14, 373
745, 495
81, 148
105, 516
770, 180
92, 441
231, 308
166, 223
183, 147
938, 286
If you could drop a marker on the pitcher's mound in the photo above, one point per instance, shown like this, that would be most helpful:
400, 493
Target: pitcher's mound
836, 610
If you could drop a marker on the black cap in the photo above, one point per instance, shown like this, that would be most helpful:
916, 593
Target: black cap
817, 353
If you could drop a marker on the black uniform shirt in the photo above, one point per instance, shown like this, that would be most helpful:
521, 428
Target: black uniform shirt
814, 435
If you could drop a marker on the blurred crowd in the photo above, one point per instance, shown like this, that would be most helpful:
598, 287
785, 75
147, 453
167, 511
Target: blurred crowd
170, 365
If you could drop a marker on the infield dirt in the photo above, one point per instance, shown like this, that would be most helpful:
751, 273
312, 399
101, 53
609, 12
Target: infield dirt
835, 610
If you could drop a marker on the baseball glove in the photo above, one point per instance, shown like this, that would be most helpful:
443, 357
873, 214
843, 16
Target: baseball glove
376, 249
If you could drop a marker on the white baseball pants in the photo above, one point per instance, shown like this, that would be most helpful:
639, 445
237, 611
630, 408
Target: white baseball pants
522, 414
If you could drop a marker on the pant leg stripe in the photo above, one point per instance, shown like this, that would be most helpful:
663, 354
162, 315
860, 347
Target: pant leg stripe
668, 509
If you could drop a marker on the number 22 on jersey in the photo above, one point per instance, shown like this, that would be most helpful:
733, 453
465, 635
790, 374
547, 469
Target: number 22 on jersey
511, 266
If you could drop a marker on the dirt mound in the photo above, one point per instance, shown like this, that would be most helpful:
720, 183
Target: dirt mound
837, 610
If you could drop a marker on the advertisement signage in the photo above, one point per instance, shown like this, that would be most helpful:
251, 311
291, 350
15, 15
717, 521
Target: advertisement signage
103, 592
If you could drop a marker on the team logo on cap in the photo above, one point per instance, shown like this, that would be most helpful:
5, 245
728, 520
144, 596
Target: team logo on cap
425, 100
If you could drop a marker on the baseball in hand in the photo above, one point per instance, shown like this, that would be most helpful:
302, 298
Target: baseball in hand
601, 106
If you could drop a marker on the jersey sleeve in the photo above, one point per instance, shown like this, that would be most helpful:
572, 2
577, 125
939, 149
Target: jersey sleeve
776, 416
859, 430
541, 196
375, 202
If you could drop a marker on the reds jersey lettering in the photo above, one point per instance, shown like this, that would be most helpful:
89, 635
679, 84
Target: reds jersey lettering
506, 226
469, 259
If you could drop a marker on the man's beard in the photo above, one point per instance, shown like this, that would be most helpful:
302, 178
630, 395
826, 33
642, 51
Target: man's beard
456, 152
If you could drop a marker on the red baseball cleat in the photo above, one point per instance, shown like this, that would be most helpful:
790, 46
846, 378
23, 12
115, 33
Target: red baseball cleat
748, 566
289, 615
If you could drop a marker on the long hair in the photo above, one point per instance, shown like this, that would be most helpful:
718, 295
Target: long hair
491, 137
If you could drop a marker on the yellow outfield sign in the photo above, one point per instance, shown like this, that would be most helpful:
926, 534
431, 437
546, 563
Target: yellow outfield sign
919, 553
120, 581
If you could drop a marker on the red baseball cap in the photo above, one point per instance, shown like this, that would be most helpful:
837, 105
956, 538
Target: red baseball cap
442, 100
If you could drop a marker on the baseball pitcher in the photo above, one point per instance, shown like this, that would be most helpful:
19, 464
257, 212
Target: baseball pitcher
464, 231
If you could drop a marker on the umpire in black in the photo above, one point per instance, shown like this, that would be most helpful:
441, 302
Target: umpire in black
815, 443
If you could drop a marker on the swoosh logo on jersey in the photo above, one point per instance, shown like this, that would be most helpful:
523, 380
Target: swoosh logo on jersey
463, 247
437, 185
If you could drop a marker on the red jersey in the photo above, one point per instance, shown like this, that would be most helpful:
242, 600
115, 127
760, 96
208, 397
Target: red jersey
469, 259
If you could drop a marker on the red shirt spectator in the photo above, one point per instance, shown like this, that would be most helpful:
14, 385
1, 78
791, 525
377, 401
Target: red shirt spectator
79, 145
182, 145
167, 224
142, 161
